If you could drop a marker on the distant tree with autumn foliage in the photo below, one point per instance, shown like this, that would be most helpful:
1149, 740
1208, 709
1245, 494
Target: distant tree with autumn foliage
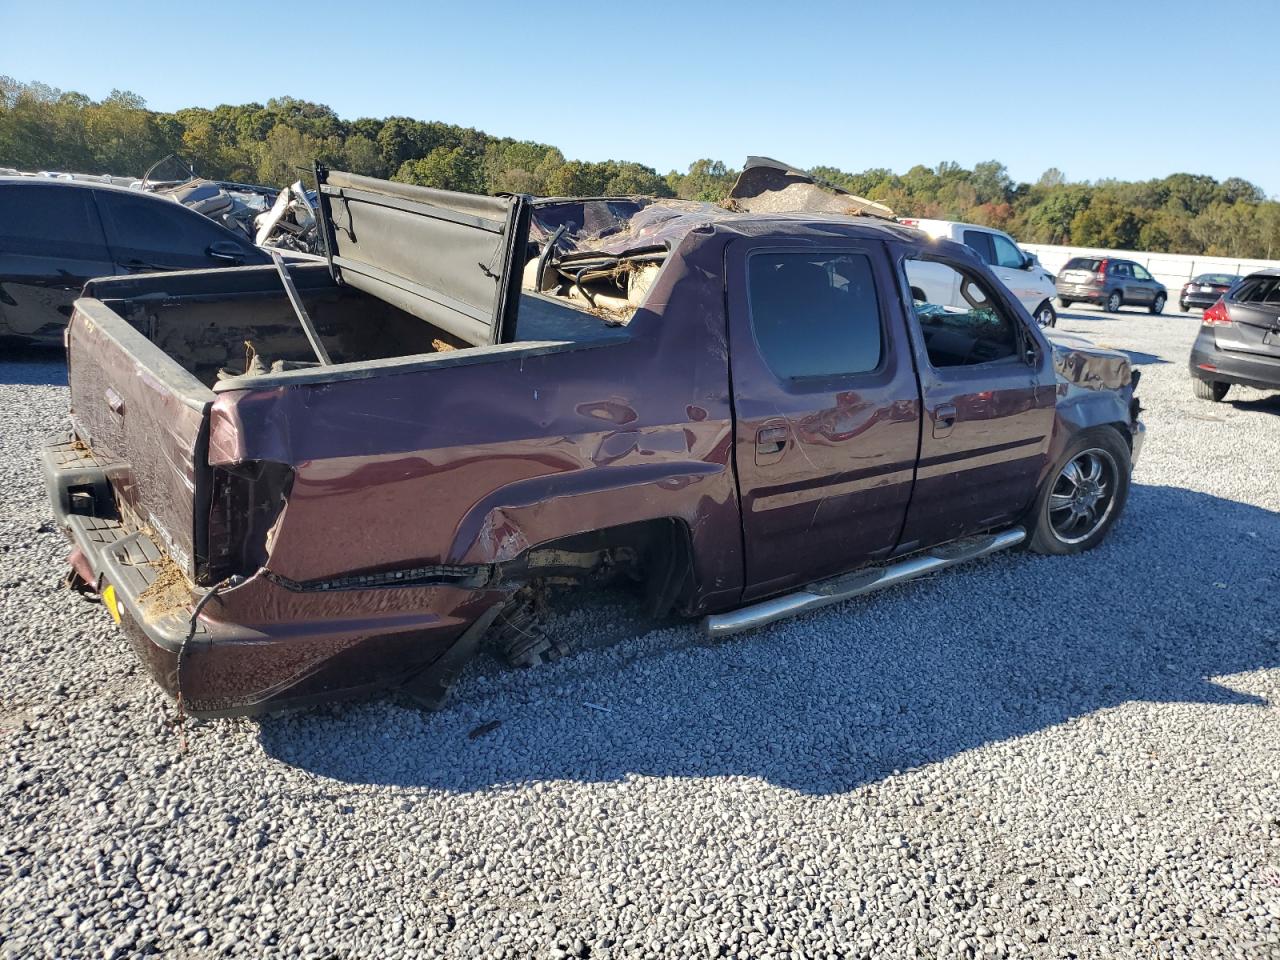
43, 128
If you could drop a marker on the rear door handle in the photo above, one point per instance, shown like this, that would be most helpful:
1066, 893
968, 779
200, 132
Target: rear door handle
944, 418
771, 441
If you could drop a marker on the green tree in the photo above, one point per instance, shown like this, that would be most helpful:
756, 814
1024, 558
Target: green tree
44, 128
1106, 222
445, 168
361, 155
708, 180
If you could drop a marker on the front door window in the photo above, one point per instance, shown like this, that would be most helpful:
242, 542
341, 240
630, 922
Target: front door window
962, 322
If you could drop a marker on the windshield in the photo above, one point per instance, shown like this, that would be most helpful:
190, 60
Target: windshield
1082, 263
167, 171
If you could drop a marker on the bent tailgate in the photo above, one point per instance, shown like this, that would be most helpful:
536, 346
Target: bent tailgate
146, 420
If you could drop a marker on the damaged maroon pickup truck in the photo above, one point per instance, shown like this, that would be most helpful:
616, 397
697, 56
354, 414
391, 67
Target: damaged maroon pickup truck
305, 482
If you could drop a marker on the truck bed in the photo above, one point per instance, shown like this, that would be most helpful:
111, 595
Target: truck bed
150, 354
214, 323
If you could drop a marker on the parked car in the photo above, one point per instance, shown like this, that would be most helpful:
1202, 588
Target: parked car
1018, 270
1239, 339
1110, 283
1205, 290
289, 488
57, 234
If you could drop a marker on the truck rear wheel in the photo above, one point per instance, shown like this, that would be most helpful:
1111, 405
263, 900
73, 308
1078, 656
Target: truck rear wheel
1084, 494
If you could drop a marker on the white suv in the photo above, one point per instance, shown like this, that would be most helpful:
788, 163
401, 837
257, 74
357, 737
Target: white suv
1018, 270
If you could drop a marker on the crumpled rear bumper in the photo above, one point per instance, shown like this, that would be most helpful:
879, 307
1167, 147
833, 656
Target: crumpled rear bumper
258, 645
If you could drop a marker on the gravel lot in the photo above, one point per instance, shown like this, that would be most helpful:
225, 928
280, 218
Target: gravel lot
1027, 756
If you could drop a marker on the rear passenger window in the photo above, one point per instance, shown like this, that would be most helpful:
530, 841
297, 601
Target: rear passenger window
814, 314
1259, 290
147, 223
961, 320
52, 221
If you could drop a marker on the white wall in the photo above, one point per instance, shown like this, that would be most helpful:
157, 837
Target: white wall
1171, 269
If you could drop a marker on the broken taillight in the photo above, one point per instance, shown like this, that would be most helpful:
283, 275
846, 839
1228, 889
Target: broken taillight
244, 505
1217, 315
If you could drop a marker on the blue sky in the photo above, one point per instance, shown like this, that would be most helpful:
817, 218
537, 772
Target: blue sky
1127, 90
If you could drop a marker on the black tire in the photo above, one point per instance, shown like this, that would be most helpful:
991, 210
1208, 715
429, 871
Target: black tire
1045, 315
1055, 525
1209, 389
1114, 302
1064, 303
1157, 305
1183, 307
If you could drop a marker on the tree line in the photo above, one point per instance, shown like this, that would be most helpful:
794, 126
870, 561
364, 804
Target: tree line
43, 128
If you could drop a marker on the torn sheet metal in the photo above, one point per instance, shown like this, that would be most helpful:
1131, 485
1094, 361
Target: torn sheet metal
770, 186
290, 223
1079, 362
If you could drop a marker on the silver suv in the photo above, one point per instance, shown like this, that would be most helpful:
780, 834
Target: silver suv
1110, 283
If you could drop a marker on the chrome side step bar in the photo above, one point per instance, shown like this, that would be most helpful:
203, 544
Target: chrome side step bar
860, 582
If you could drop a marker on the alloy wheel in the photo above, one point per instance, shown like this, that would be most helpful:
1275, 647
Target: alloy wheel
1083, 495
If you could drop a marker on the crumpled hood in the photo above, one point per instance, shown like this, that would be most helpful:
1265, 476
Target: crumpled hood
1076, 361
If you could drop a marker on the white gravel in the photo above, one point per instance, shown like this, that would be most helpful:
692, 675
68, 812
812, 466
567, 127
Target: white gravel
1028, 756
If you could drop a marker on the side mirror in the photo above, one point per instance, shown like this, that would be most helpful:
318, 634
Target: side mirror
1031, 262
228, 251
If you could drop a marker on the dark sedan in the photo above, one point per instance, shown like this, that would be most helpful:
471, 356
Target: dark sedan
57, 234
1205, 290
1239, 339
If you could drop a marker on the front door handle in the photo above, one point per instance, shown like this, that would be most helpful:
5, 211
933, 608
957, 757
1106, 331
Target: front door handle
771, 442
944, 418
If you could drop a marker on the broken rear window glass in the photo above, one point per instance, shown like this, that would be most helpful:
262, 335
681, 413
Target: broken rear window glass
815, 314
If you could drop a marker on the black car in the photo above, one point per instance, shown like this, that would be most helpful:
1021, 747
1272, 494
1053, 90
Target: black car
1239, 339
1205, 290
1111, 283
57, 234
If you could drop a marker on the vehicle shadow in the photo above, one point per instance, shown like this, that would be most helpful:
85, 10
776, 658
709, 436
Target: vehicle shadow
33, 366
1140, 359
1267, 404
991, 651
1097, 313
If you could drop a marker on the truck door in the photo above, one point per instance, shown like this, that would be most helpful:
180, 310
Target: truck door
1007, 262
989, 397
827, 408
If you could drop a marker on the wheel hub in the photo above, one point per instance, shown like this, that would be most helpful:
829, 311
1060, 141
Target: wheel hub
1086, 497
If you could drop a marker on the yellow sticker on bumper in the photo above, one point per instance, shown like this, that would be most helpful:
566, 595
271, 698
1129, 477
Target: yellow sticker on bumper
109, 598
